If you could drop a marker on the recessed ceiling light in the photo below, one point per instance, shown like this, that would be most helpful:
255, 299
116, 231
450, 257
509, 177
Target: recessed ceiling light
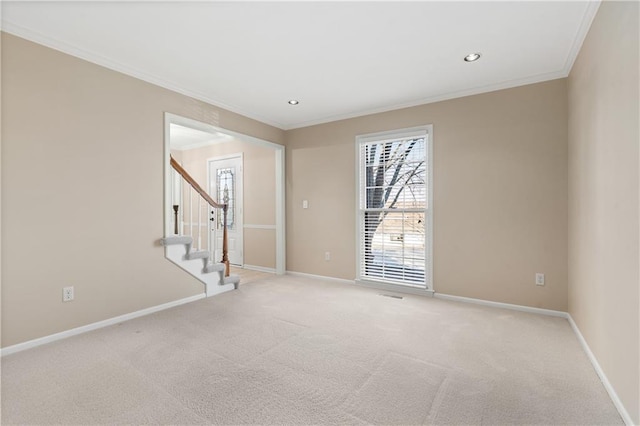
472, 57
293, 102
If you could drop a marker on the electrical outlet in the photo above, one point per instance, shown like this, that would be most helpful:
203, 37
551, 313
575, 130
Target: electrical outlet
305, 204
327, 256
67, 294
539, 279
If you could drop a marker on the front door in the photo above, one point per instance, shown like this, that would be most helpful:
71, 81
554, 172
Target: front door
225, 186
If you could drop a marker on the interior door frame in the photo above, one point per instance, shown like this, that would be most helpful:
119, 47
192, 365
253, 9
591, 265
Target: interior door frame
279, 152
239, 190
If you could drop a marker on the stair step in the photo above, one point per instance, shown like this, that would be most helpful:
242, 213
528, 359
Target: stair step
201, 254
179, 239
213, 267
179, 250
232, 279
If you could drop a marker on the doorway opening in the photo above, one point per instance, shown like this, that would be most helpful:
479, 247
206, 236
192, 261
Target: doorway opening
248, 171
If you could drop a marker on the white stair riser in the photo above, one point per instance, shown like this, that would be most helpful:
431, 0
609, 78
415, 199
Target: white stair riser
176, 254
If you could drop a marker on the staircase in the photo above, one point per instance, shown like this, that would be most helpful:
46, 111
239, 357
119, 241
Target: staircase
179, 248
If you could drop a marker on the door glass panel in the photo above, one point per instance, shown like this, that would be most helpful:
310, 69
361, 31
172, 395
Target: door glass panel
225, 179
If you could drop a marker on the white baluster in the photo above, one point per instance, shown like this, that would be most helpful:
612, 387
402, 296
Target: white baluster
173, 200
209, 230
181, 205
191, 211
199, 222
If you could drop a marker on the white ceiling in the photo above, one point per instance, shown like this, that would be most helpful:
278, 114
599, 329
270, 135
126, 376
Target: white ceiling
339, 59
182, 138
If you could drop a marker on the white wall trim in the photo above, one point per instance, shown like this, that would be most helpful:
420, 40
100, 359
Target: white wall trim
168, 180
109, 63
259, 268
227, 157
92, 57
588, 17
201, 144
280, 197
252, 226
96, 325
368, 284
281, 208
320, 277
210, 128
603, 377
594, 362
538, 78
521, 308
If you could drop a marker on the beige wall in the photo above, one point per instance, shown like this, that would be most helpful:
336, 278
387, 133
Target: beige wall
603, 196
500, 193
259, 186
82, 190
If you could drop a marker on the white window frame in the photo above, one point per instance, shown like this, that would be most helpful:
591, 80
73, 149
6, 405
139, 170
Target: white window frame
425, 131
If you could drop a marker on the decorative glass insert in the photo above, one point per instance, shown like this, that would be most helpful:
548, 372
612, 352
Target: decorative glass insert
226, 183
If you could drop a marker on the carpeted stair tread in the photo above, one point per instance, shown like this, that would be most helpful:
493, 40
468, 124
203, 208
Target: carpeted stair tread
180, 239
213, 267
232, 279
210, 273
197, 254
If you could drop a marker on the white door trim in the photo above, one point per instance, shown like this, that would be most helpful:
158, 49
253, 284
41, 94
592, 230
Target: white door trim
170, 118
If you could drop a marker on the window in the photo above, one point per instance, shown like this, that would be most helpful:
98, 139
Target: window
394, 211
226, 195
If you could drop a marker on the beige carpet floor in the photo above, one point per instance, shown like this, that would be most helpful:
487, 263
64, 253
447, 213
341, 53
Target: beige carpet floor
291, 350
248, 276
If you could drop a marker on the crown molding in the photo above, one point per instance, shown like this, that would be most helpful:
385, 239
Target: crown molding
539, 78
34, 36
581, 34
53, 43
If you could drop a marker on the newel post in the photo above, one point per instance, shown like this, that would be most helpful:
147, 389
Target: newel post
175, 215
225, 257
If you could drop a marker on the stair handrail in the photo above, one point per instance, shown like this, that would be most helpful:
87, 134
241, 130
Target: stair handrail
191, 181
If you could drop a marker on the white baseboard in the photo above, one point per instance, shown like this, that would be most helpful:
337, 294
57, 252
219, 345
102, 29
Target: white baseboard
603, 377
259, 268
367, 284
320, 277
94, 326
594, 362
521, 308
